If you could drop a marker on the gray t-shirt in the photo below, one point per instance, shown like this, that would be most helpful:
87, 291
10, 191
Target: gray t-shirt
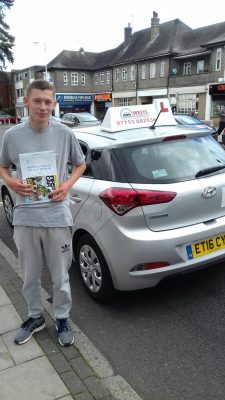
57, 138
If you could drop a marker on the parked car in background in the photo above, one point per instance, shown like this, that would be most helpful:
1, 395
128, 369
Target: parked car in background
53, 117
184, 119
150, 203
7, 119
79, 119
56, 119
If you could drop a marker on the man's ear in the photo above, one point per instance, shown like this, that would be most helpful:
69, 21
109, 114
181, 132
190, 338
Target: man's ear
25, 100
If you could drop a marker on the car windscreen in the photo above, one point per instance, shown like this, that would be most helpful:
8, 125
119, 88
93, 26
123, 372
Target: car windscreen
171, 161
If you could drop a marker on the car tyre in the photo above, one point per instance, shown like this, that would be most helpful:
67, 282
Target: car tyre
8, 206
94, 270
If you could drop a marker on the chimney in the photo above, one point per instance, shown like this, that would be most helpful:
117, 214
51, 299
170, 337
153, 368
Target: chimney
81, 50
154, 26
127, 33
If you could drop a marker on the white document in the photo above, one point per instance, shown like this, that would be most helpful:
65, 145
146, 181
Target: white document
39, 170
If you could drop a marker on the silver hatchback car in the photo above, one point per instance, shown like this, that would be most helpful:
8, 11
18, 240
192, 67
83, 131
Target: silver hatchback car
151, 202
81, 119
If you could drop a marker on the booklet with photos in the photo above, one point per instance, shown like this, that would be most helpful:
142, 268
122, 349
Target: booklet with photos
40, 172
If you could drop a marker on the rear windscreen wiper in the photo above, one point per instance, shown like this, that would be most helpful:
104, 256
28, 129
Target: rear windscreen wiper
207, 171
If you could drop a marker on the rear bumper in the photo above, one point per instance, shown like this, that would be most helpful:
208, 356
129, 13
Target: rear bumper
124, 250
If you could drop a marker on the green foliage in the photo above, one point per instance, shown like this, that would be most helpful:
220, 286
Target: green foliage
6, 40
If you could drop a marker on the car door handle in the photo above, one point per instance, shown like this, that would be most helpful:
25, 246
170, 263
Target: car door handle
76, 198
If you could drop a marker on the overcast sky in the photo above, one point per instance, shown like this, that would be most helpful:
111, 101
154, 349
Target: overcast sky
95, 25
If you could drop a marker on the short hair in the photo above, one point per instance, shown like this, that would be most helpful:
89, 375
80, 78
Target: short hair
40, 84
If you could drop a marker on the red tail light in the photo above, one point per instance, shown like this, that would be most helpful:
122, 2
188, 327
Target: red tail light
177, 137
121, 200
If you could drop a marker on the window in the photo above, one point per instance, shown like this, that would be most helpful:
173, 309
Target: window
132, 73
19, 92
25, 75
65, 78
83, 79
108, 77
95, 79
162, 68
102, 78
74, 78
187, 103
117, 75
200, 67
18, 77
124, 74
218, 59
124, 101
140, 163
216, 107
143, 71
187, 68
152, 72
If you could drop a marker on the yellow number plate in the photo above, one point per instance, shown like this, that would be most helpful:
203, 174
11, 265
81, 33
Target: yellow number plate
206, 246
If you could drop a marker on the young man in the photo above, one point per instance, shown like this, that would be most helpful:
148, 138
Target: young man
42, 227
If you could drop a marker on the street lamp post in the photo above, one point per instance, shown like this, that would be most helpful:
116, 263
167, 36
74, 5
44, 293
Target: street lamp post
46, 66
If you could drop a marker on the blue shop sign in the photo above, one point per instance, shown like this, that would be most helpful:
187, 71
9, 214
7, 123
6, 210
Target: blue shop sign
64, 99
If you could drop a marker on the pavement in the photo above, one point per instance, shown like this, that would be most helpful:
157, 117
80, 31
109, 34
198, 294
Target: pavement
41, 369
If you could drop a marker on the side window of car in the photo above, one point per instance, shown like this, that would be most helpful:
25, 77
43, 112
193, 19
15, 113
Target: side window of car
105, 166
88, 170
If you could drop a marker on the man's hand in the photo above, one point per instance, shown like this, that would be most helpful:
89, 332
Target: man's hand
18, 186
61, 192
14, 183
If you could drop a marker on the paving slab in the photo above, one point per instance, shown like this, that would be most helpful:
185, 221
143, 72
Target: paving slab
4, 299
35, 379
21, 353
9, 318
6, 360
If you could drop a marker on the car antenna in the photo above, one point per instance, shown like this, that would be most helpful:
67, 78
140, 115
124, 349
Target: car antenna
153, 126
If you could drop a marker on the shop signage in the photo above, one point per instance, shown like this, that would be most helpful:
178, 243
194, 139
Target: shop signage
73, 98
103, 97
217, 89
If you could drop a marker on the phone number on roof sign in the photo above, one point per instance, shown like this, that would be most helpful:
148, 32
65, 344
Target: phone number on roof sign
135, 121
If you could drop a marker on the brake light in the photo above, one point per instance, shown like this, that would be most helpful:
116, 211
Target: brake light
121, 200
177, 137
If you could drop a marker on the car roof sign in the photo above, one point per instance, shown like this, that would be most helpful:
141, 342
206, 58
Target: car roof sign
139, 116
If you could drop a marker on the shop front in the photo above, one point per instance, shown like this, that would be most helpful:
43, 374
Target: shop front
102, 102
217, 93
69, 102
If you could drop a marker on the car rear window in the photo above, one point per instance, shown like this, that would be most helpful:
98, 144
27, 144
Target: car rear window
170, 161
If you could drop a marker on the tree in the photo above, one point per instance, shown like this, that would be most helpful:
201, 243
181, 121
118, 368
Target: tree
6, 40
